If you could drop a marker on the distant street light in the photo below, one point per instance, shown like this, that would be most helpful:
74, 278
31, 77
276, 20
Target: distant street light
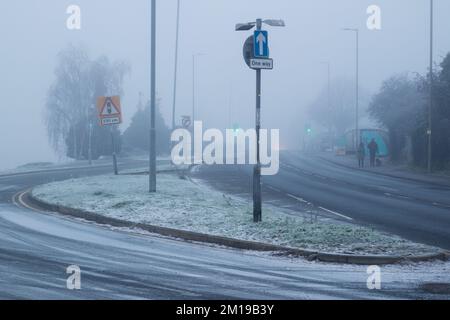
356, 140
194, 65
327, 63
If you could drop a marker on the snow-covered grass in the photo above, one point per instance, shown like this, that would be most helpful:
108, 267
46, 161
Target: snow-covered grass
183, 204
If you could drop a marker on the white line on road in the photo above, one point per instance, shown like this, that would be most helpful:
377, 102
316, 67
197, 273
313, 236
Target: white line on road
335, 213
19, 202
274, 189
297, 198
437, 204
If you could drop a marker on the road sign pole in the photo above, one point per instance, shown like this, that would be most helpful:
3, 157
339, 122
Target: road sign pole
90, 142
114, 155
257, 201
257, 207
256, 56
430, 105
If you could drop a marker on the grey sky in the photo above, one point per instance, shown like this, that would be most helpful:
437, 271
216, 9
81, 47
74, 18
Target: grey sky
32, 32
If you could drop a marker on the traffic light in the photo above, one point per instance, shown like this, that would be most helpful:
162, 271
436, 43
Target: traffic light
308, 129
236, 129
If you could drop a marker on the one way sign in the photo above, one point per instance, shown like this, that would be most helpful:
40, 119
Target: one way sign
261, 44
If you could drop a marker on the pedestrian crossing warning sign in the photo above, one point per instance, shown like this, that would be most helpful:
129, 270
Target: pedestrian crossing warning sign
109, 110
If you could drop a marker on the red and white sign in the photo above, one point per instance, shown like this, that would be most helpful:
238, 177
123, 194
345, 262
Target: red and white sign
109, 110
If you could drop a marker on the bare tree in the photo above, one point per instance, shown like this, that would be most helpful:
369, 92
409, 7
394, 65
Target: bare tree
70, 106
338, 115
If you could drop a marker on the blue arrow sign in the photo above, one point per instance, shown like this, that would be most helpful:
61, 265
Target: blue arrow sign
261, 44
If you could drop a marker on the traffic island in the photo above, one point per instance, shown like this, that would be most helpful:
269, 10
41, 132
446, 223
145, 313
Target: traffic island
188, 210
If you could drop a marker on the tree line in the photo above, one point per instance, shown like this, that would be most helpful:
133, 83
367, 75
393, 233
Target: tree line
402, 107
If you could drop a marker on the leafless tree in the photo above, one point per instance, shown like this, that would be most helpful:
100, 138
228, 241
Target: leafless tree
70, 105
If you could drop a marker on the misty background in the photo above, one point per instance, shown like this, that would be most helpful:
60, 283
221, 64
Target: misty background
33, 32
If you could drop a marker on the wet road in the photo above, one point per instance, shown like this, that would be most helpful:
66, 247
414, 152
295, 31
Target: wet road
36, 248
418, 211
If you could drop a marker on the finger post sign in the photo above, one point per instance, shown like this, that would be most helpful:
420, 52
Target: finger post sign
109, 110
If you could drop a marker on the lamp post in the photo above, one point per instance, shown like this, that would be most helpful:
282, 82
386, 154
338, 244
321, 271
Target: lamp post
430, 106
356, 140
194, 66
176, 67
257, 198
152, 162
327, 64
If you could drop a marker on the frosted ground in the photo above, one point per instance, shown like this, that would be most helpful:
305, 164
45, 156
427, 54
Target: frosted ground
189, 205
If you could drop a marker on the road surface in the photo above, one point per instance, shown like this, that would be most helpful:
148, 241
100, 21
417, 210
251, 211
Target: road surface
417, 211
36, 248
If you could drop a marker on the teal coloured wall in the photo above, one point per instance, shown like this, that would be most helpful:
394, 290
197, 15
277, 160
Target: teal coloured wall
380, 139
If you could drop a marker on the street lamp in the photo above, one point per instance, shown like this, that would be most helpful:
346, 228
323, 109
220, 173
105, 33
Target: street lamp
257, 198
327, 64
430, 107
250, 25
176, 67
356, 31
152, 155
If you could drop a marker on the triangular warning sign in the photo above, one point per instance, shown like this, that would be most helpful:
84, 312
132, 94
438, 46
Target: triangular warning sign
109, 108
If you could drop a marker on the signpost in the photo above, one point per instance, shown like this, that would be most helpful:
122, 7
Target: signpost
261, 64
256, 56
186, 122
261, 44
110, 114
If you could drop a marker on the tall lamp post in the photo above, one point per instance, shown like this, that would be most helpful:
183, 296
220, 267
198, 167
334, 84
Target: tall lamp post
194, 65
176, 67
356, 31
430, 106
152, 162
327, 64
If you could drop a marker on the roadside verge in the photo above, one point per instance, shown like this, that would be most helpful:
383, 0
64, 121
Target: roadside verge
184, 210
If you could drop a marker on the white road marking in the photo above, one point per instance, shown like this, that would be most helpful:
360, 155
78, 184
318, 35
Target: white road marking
274, 201
18, 201
274, 189
335, 213
437, 204
297, 198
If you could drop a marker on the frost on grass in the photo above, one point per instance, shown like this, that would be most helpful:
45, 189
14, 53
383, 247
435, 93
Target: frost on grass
182, 204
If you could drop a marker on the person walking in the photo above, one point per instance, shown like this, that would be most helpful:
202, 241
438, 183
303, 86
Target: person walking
361, 154
373, 150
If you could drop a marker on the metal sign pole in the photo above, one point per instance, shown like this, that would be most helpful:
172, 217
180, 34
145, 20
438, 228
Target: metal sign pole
257, 206
114, 155
256, 56
90, 142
